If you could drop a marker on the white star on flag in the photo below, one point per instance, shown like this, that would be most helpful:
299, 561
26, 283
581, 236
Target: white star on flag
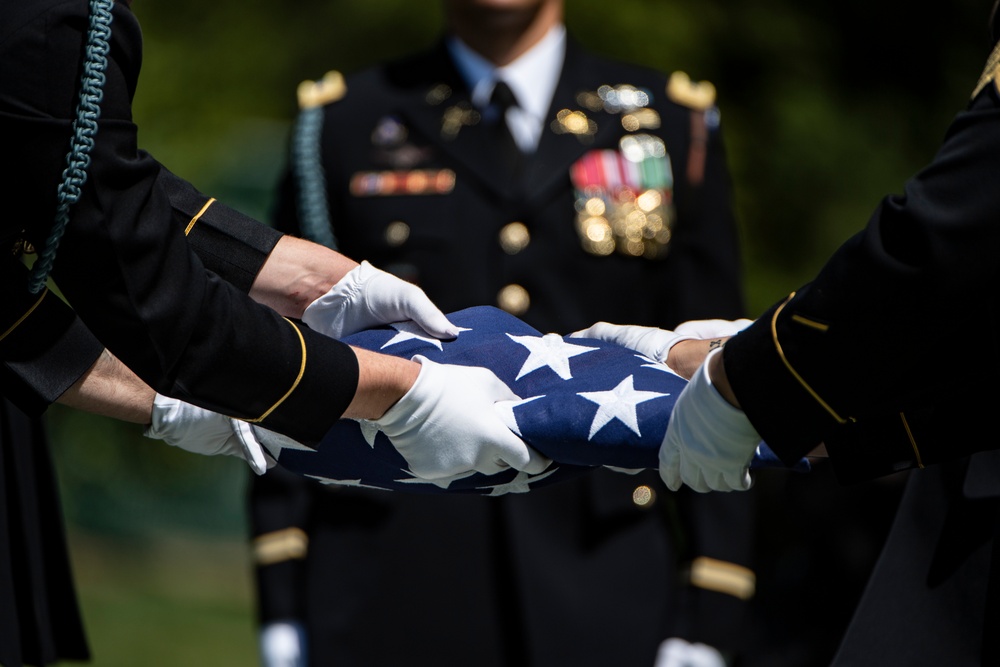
442, 483
369, 430
410, 330
549, 351
520, 484
618, 403
342, 482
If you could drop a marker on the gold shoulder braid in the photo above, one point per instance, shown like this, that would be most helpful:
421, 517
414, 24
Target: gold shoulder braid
317, 93
682, 90
990, 72
699, 97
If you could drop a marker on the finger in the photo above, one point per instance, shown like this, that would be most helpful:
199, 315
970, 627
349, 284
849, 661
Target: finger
253, 453
512, 450
537, 463
670, 466
429, 318
593, 331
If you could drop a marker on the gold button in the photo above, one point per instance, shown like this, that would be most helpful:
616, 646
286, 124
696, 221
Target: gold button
396, 233
514, 237
514, 299
643, 496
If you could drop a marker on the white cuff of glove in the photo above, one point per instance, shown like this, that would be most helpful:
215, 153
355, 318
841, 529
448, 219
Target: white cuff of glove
676, 652
367, 297
281, 645
202, 431
446, 424
709, 443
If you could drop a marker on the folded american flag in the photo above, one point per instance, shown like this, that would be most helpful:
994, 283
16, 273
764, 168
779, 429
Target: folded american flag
584, 403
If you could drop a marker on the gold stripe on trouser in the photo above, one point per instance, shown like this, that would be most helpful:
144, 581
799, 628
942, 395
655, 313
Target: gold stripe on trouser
723, 577
279, 546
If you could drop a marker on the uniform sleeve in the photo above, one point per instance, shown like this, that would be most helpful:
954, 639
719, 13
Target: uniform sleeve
856, 351
124, 263
44, 347
231, 245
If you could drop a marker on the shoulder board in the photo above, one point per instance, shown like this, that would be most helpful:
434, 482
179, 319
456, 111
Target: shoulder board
682, 90
317, 93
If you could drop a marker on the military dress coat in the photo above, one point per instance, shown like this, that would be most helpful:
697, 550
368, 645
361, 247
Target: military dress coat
595, 571
155, 269
857, 359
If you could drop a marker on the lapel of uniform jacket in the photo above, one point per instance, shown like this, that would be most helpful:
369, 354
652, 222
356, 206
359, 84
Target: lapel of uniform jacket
441, 109
557, 151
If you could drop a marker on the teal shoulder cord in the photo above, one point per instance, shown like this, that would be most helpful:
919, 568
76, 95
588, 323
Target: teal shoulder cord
314, 216
88, 110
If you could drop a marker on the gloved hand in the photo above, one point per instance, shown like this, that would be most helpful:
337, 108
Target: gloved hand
676, 652
709, 443
446, 425
205, 432
367, 297
283, 645
656, 343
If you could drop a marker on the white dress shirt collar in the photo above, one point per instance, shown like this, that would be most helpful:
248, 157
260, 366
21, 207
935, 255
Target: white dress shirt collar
532, 77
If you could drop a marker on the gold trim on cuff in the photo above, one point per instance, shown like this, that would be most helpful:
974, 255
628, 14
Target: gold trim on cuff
913, 441
788, 365
295, 384
723, 577
279, 546
197, 217
21, 319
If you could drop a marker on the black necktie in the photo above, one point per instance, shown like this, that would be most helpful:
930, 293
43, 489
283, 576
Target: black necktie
508, 152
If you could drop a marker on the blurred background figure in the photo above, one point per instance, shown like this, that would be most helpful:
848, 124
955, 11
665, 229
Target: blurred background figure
509, 166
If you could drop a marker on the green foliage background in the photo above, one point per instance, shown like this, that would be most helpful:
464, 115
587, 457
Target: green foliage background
827, 106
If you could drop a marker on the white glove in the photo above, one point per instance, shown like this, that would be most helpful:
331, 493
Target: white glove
446, 425
367, 297
709, 443
656, 343
282, 645
205, 432
676, 652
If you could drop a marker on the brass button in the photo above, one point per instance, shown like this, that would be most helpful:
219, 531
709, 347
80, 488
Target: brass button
514, 237
644, 496
396, 233
514, 299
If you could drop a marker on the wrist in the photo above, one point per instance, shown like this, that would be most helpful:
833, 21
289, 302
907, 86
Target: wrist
382, 381
296, 273
717, 374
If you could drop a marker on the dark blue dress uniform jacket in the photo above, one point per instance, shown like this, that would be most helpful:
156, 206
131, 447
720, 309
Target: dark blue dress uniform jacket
574, 575
890, 356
